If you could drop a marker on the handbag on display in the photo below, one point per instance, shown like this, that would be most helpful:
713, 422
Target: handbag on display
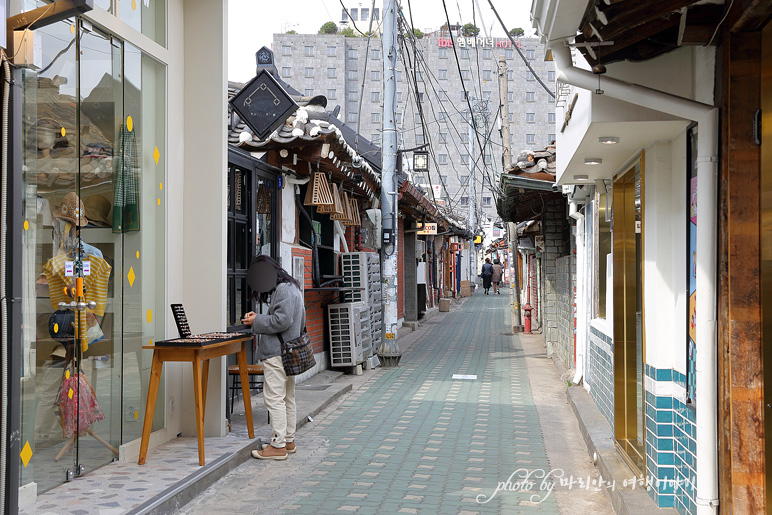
297, 356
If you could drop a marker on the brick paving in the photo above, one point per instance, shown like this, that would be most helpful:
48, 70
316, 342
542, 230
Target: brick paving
413, 439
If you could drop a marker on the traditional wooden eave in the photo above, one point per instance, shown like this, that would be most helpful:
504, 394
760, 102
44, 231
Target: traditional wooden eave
637, 31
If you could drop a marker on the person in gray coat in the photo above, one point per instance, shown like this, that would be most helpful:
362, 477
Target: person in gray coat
286, 316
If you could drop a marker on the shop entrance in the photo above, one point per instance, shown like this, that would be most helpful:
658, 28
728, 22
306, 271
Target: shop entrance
629, 349
93, 249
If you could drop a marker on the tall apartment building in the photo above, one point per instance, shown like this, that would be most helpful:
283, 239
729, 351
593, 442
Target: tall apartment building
349, 72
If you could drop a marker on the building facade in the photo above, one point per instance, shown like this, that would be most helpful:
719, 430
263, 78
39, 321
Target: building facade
349, 71
115, 174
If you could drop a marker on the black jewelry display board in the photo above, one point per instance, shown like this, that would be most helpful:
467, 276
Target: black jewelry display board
181, 320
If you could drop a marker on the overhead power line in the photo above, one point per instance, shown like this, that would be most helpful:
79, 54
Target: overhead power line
548, 90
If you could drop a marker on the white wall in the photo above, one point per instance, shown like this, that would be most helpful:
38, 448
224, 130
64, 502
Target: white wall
665, 247
201, 122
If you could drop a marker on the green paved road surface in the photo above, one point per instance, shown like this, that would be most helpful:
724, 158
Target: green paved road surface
413, 439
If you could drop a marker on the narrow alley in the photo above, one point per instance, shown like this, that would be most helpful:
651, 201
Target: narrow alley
456, 428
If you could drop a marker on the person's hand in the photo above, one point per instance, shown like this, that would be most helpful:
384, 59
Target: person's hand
249, 318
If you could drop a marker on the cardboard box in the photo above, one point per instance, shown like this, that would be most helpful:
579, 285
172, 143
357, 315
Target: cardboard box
444, 305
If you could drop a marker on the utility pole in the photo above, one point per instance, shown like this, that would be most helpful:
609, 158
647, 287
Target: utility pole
389, 353
472, 196
504, 95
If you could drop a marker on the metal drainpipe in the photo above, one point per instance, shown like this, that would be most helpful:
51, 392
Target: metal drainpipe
706, 117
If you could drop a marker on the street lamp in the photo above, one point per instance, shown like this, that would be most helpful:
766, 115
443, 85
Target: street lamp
420, 161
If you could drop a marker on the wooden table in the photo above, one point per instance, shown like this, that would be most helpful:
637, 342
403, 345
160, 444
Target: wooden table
195, 355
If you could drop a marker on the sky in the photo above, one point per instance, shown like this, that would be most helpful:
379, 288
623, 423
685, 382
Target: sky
252, 23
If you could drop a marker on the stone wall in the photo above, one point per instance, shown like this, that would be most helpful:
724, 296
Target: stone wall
564, 339
555, 313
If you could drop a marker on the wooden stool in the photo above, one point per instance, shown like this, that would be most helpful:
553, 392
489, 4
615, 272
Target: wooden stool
252, 371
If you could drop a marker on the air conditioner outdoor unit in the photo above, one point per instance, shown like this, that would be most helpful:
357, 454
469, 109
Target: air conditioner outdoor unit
346, 338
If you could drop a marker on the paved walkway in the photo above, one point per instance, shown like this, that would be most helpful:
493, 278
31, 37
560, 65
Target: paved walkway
416, 439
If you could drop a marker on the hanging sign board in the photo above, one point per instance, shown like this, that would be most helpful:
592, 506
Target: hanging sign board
429, 228
263, 104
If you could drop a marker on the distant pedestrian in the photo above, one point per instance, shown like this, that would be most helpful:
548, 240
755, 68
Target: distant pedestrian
496, 278
286, 316
487, 274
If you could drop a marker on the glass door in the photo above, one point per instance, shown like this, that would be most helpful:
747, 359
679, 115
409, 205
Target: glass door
101, 107
629, 347
71, 396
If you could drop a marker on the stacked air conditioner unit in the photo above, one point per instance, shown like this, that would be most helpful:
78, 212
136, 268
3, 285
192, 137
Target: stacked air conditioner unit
363, 270
349, 325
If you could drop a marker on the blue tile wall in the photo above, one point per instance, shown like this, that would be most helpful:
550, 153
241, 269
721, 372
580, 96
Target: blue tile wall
600, 373
671, 462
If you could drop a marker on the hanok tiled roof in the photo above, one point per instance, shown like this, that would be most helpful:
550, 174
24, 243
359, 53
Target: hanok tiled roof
526, 185
305, 133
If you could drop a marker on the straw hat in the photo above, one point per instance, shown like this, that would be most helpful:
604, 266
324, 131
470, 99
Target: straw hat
72, 209
98, 208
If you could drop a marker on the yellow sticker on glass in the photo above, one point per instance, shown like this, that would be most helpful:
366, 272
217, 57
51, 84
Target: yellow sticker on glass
69, 394
72, 29
156, 155
149, 316
26, 225
26, 454
160, 185
134, 7
67, 374
64, 132
129, 123
159, 202
137, 254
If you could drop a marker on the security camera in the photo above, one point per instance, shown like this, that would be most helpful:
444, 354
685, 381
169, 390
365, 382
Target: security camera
556, 188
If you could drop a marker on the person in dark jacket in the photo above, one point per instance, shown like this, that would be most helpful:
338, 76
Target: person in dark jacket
286, 316
487, 274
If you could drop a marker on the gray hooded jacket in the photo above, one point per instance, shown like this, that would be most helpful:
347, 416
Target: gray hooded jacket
286, 315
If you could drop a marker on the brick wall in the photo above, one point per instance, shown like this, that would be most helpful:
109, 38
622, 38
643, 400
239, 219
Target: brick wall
354, 242
316, 304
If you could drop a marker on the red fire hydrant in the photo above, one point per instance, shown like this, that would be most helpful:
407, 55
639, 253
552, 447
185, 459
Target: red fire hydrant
527, 309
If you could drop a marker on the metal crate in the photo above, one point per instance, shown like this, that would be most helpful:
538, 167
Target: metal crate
345, 328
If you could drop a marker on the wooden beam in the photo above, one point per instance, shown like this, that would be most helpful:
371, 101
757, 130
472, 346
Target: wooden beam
742, 450
625, 16
749, 15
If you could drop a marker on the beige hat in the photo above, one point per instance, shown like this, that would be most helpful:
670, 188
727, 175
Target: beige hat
98, 208
72, 209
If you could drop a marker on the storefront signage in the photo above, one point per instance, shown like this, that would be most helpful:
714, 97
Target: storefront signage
428, 229
462, 42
